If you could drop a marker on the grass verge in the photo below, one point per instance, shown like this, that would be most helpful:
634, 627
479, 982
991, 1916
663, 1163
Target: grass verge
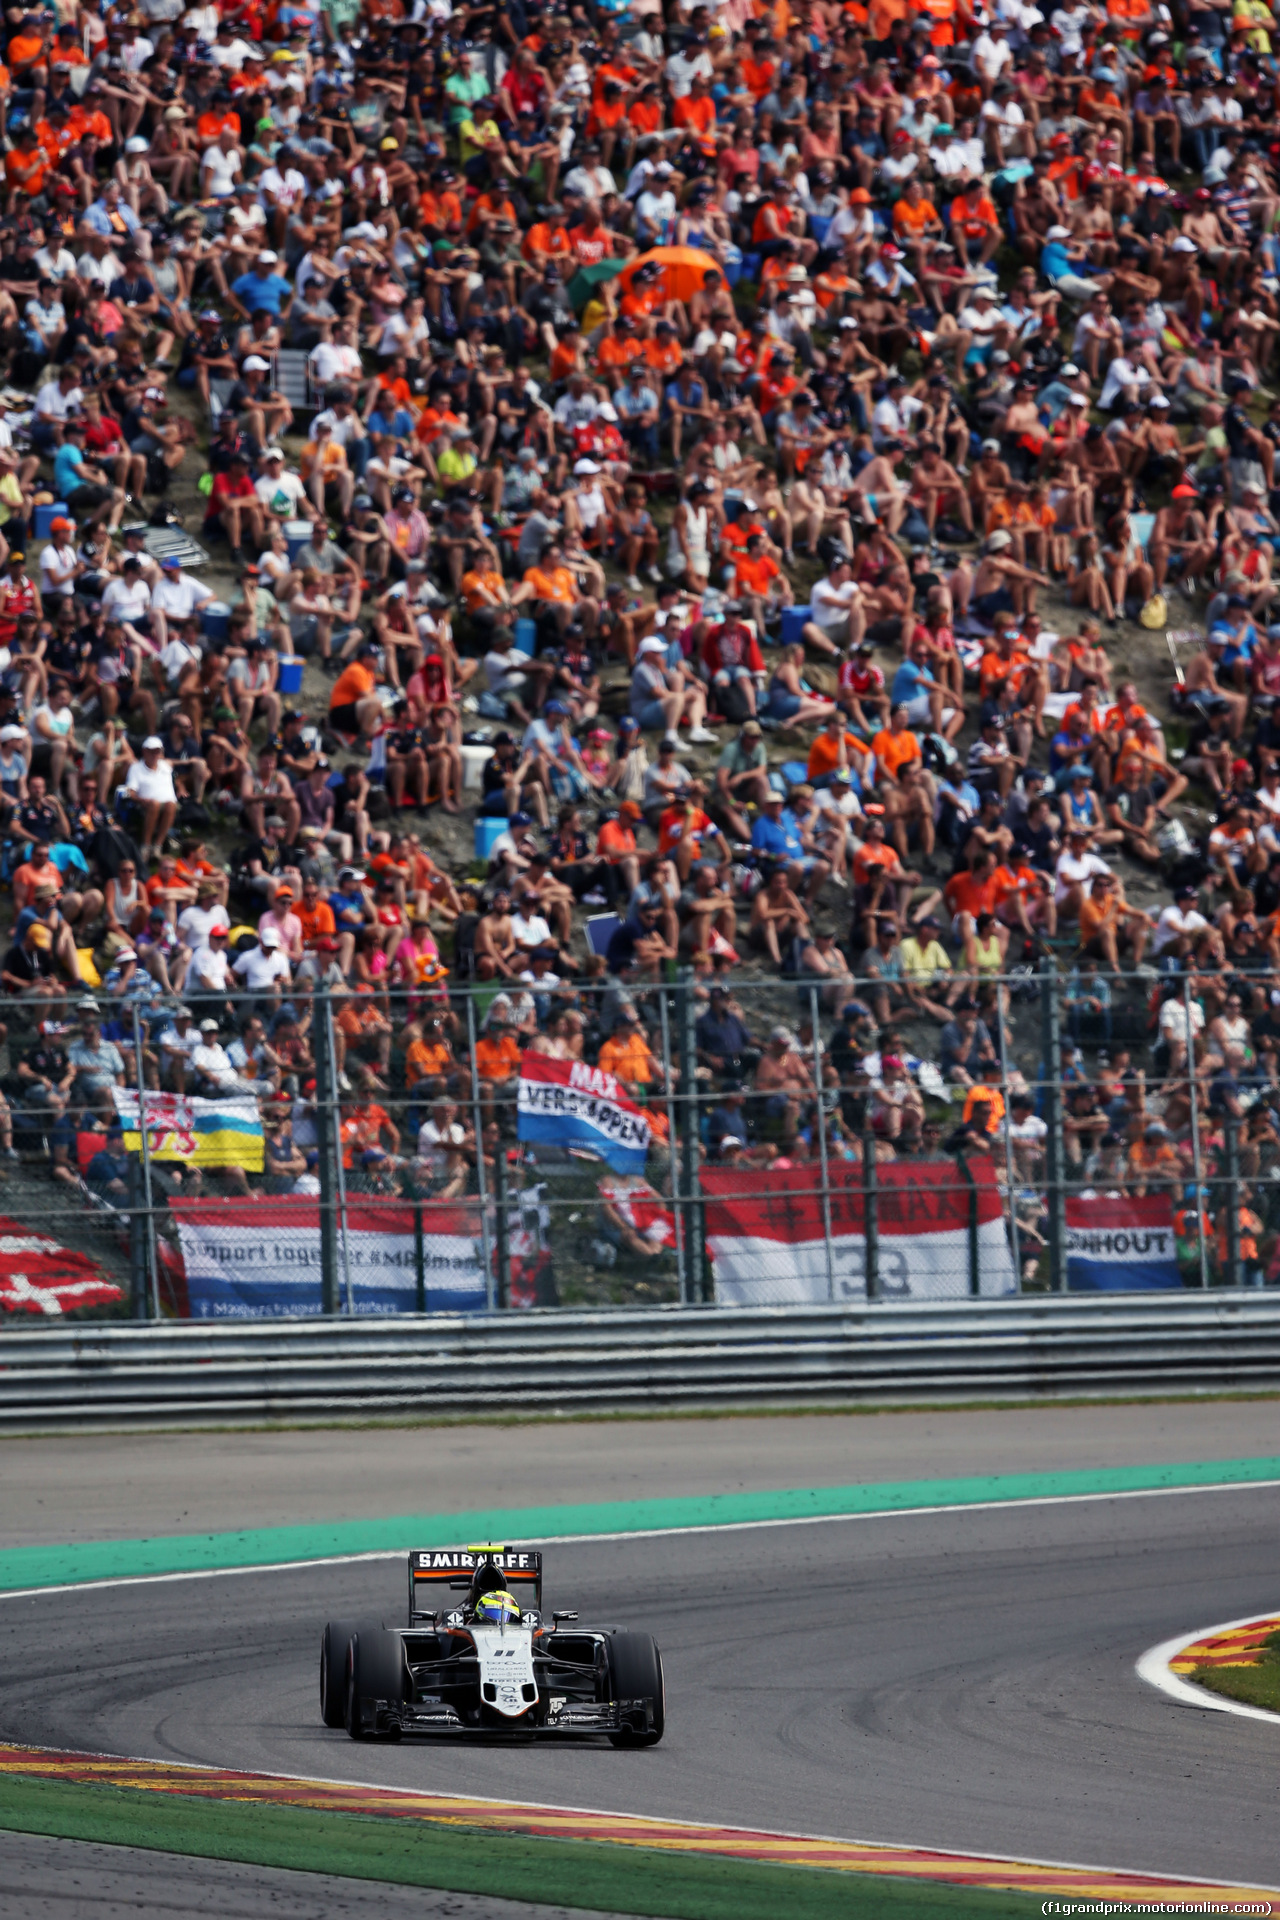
566, 1872
1255, 1686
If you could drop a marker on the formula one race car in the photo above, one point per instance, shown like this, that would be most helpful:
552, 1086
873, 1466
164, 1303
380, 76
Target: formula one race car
489, 1661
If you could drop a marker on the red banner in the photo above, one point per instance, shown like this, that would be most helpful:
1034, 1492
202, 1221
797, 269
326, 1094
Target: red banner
39, 1276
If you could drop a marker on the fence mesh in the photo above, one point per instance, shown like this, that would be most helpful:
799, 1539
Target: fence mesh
536, 1142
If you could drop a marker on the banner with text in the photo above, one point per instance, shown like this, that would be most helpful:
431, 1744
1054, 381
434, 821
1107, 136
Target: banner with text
569, 1104
1120, 1245
252, 1260
766, 1233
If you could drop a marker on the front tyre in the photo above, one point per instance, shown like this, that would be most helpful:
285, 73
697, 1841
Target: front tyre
375, 1671
333, 1671
635, 1673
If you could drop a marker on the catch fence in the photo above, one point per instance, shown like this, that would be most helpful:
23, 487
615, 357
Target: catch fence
621, 1143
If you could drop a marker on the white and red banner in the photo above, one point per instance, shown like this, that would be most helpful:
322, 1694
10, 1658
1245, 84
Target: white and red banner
767, 1241
566, 1103
248, 1259
39, 1276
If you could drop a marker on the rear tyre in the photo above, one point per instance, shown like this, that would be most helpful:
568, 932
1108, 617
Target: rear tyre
635, 1673
333, 1671
375, 1671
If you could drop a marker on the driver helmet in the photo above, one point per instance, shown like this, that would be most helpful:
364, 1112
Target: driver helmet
498, 1607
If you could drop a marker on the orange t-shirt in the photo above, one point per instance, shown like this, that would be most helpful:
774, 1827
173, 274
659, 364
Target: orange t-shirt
318, 922
964, 894
755, 575
909, 219
870, 855
629, 1058
698, 114
556, 585
497, 1059
665, 361
824, 755
545, 239
423, 1060
441, 210
479, 581
613, 352
676, 825
895, 750
615, 840
353, 684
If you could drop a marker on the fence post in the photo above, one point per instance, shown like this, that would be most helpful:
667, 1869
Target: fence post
1202, 1208
822, 1146
151, 1266
1055, 1161
693, 1261
672, 1139
419, 1259
1234, 1276
503, 1248
870, 1207
325, 1110
975, 1273
139, 1291
1010, 1160
482, 1185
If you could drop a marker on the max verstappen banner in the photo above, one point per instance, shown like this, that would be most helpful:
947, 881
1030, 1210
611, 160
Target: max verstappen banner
569, 1104
1120, 1246
765, 1234
39, 1276
226, 1132
257, 1260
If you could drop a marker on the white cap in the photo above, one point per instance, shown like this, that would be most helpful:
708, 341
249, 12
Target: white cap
610, 413
586, 466
137, 144
268, 937
267, 258
1183, 245
1157, 400
998, 540
12, 733
1058, 233
653, 645
153, 740
991, 446
255, 362
1077, 399
1068, 372
272, 453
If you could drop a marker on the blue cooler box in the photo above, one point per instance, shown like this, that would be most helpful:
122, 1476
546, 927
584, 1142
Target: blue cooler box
526, 636
289, 679
215, 621
793, 624
490, 828
45, 517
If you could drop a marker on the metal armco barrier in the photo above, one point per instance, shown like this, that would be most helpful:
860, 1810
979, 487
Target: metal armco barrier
635, 1361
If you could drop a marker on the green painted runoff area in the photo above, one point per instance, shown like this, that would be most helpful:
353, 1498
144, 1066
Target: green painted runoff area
44, 1566
572, 1873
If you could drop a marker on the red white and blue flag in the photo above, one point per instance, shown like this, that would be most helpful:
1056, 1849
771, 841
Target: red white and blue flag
1117, 1245
566, 1103
767, 1240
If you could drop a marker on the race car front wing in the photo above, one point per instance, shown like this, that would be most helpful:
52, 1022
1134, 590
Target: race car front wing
562, 1717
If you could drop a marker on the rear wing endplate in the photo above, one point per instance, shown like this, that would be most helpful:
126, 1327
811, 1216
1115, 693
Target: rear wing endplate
435, 1572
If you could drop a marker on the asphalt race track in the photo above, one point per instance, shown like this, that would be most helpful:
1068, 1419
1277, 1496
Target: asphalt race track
958, 1680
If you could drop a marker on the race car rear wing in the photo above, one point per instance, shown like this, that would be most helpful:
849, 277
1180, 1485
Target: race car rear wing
436, 1572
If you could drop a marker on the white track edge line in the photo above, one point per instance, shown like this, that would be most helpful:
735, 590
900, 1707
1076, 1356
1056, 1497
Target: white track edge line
695, 1826
647, 1533
1153, 1667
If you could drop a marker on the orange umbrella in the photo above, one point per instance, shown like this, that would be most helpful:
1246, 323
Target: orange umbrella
682, 269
